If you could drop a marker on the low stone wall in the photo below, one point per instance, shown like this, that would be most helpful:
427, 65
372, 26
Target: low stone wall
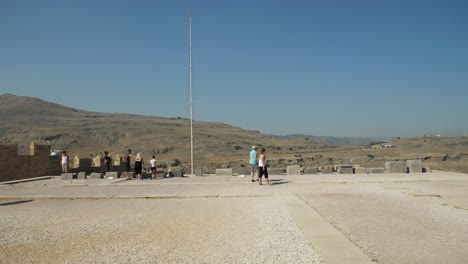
223, 172
37, 163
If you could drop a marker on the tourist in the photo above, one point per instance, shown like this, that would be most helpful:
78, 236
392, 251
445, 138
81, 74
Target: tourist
262, 167
107, 160
138, 166
153, 167
126, 160
253, 163
65, 162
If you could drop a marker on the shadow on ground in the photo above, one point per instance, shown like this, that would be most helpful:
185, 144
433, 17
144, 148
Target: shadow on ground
15, 202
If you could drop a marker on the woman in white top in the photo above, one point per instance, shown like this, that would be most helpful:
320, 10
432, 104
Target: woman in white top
262, 167
139, 163
153, 167
65, 162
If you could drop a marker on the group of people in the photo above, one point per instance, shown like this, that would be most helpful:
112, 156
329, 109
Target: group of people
258, 165
138, 166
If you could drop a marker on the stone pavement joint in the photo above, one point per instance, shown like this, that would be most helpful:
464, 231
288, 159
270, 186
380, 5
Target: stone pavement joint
327, 241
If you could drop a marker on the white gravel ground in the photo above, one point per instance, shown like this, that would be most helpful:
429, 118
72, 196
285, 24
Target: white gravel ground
216, 230
393, 218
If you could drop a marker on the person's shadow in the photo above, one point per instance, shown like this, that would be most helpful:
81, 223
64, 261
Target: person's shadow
15, 202
278, 181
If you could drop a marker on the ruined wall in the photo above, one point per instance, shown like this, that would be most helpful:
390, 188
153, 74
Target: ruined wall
40, 163
89, 165
37, 163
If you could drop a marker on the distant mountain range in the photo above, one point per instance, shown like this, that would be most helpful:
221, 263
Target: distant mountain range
336, 141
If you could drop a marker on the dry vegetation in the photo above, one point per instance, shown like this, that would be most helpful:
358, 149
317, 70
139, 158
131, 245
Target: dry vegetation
87, 134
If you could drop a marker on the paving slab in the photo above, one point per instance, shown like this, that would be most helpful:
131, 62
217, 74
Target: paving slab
330, 244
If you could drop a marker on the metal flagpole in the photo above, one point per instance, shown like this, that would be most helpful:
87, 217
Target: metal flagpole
191, 99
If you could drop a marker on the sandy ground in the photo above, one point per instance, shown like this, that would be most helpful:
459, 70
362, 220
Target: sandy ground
418, 218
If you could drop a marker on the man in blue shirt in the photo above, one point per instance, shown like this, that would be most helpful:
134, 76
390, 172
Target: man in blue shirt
253, 162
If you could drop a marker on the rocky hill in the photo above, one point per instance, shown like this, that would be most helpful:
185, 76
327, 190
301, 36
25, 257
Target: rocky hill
86, 134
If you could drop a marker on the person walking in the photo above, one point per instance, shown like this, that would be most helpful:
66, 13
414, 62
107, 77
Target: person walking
253, 163
262, 167
138, 166
153, 167
65, 162
107, 160
127, 163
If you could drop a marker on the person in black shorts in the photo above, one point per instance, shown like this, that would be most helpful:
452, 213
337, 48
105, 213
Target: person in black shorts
127, 163
107, 160
138, 166
262, 167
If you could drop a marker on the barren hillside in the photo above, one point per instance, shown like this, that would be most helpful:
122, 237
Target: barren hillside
86, 134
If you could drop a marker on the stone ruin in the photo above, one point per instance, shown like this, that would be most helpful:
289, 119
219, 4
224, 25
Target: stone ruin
38, 162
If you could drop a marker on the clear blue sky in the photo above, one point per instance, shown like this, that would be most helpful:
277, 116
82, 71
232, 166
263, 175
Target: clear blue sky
338, 68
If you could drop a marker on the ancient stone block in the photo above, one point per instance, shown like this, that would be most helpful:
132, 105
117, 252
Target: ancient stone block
145, 175
95, 175
360, 170
413, 166
244, 172
327, 170
97, 161
116, 160
199, 172
395, 166
76, 162
311, 171
293, 170
343, 166
68, 176
346, 170
275, 171
224, 172
178, 173
113, 174
375, 170
81, 175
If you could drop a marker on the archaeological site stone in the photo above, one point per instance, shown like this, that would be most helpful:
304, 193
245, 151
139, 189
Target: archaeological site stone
275, 171
111, 174
244, 172
375, 170
360, 170
178, 173
68, 176
327, 170
198, 171
293, 170
395, 167
345, 169
224, 172
310, 171
81, 175
413, 166
95, 175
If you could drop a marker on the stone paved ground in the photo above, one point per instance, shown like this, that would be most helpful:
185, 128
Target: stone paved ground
388, 218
